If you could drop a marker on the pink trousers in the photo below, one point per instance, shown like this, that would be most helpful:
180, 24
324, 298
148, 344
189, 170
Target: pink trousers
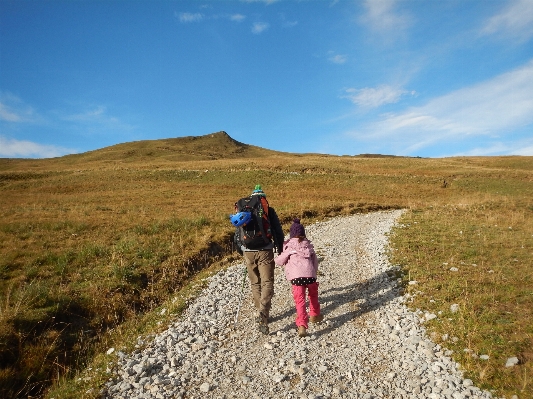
298, 293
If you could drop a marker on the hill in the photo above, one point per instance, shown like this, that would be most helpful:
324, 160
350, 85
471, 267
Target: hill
209, 147
93, 246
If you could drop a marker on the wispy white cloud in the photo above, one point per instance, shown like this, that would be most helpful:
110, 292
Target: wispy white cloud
14, 110
382, 17
12, 148
515, 19
9, 115
91, 115
186, 17
494, 108
523, 150
370, 97
267, 2
499, 148
17, 117
237, 17
289, 24
286, 23
259, 27
96, 116
338, 58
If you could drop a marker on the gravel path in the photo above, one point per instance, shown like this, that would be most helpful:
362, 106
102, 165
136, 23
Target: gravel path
369, 345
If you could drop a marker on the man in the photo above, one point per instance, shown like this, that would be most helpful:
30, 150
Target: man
258, 252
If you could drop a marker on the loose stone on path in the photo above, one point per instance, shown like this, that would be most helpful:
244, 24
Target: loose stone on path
369, 345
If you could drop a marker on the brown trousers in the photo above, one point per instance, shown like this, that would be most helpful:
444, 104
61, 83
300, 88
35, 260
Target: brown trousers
260, 265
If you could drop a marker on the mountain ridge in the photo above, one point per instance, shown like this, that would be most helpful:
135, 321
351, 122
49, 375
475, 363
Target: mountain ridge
212, 146
218, 145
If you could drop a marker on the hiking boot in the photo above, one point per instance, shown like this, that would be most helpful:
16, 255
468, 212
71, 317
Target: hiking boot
261, 319
263, 328
316, 319
302, 331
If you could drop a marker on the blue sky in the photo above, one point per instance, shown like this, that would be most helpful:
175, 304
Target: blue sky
417, 78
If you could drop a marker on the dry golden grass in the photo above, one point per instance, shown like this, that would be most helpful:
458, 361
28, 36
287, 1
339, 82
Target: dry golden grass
478, 257
91, 243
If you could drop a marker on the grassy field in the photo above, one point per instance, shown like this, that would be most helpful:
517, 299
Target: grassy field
93, 246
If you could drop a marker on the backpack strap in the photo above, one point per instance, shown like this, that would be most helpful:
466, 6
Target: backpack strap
257, 202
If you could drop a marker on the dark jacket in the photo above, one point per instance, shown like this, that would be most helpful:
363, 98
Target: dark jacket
275, 228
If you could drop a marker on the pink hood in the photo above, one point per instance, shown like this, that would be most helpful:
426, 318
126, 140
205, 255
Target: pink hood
299, 258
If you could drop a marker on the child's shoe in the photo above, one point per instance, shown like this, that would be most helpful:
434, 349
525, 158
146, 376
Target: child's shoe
302, 331
316, 319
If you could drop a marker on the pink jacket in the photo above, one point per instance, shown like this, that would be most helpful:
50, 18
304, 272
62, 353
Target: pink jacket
299, 258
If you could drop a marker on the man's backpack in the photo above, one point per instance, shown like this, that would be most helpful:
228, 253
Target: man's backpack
256, 233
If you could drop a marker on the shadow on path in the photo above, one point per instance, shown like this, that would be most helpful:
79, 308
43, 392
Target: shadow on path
363, 296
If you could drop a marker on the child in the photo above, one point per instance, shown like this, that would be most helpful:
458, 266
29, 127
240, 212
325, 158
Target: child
301, 264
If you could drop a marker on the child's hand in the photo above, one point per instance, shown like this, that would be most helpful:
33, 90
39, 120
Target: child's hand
293, 253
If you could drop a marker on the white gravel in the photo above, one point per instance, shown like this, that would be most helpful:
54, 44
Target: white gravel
369, 345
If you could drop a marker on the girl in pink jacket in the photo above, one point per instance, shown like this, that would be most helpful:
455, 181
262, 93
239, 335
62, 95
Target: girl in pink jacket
301, 265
